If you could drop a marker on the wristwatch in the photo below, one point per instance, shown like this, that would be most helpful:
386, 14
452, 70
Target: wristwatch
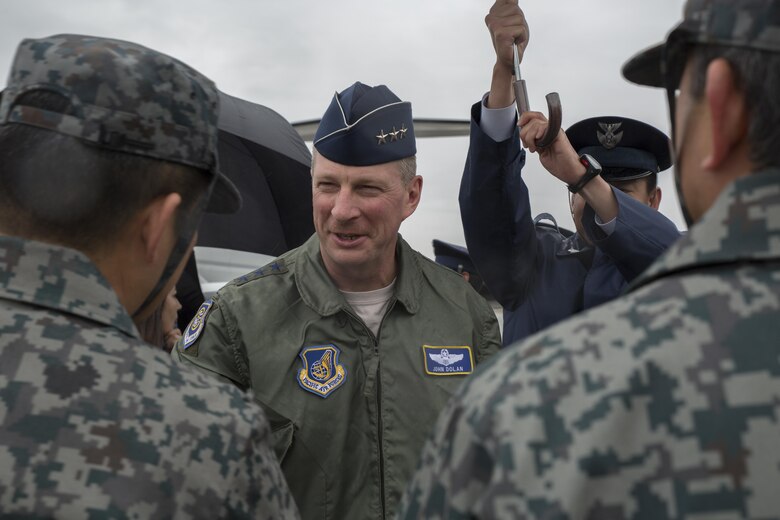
592, 169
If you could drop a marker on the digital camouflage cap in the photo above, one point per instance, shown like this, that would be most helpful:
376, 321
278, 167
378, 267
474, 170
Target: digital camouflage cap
123, 97
753, 24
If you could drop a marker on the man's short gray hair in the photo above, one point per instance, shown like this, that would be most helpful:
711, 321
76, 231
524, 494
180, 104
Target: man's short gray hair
408, 169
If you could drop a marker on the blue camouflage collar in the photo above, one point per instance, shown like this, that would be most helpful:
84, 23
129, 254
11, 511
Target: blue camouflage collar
60, 279
743, 226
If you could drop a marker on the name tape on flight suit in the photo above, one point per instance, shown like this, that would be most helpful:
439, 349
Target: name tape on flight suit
448, 361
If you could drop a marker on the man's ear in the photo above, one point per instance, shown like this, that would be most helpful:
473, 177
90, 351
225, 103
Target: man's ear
728, 112
159, 216
413, 193
655, 198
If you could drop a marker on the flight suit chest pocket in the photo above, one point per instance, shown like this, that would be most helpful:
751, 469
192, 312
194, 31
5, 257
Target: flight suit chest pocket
282, 431
282, 438
309, 484
447, 366
447, 386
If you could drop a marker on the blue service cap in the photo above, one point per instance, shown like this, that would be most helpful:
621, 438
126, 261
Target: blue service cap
453, 256
620, 142
458, 259
366, 125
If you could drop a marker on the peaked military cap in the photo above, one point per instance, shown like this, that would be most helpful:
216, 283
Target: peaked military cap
123, 97
459, 260
366, 125
620, 142
453, 256
753, 24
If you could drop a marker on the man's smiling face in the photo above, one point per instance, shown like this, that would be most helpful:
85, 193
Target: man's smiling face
357, 213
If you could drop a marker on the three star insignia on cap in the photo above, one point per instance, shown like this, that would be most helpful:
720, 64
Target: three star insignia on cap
394, 135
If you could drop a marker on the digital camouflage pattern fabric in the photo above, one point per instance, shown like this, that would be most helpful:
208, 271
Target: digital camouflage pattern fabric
748, 23
123, 97
177, 121
96, 424
751, 24
662, 404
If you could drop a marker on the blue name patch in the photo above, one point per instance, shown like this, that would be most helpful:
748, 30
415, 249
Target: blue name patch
196, 325
448, 361
321, 373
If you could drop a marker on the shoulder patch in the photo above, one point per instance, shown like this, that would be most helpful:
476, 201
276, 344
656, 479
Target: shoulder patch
196, 325
447, 361
275, 267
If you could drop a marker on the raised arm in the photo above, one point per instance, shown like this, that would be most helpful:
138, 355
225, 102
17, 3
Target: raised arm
494, 201
641, 234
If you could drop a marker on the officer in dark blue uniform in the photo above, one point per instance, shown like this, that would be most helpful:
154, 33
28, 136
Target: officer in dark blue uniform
458, 259
610, 164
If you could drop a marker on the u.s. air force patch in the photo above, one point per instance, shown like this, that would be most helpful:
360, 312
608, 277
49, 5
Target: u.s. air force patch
321, 373
448, 361
196, 325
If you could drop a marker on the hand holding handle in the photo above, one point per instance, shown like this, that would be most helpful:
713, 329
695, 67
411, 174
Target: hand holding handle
554, 109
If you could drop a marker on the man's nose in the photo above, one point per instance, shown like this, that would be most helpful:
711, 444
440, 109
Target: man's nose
344, 207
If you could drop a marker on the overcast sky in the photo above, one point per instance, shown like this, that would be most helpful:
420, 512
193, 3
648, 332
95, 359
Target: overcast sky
291, 55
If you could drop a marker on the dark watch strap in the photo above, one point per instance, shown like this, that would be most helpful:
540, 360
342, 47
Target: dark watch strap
592, 169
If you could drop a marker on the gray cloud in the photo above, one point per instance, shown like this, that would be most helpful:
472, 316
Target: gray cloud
292, 56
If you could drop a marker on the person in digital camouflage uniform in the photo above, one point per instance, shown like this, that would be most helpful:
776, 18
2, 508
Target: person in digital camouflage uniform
353, 342
107, 160
664, 403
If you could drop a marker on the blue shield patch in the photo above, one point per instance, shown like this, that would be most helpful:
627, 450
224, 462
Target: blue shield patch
321, 373
448, 361
196, 325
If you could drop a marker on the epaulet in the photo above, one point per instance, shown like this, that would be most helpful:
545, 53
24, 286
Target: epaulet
275, 267
547, 221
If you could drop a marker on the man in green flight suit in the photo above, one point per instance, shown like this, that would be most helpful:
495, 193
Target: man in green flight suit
352, 342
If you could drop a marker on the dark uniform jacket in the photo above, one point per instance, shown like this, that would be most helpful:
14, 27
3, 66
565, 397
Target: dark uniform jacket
94, 423
539, 276
661, 404
350, 409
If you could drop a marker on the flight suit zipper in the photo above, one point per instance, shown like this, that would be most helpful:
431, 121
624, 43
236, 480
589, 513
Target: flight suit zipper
380, 425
